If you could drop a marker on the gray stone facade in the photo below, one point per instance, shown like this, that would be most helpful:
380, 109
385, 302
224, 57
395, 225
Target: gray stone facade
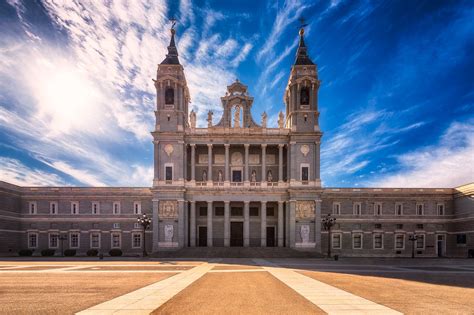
238, 183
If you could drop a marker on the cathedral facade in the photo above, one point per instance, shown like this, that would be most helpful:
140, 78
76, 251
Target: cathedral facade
239, 183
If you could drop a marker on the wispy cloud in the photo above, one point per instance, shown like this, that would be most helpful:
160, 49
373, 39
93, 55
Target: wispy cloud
449, 163
15, 172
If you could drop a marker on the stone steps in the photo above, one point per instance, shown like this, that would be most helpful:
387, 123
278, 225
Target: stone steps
237, 252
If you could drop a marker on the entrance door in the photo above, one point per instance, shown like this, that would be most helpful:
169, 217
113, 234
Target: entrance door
236, 234
202, 236
440, 245
270, 236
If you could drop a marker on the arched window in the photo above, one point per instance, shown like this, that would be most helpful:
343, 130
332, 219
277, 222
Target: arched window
304, 96
169, 96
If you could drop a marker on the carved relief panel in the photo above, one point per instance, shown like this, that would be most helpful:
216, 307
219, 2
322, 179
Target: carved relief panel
168, 209
305, 209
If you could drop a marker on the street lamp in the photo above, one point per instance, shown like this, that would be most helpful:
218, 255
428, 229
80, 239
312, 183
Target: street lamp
328, 223
413, 239
145, 222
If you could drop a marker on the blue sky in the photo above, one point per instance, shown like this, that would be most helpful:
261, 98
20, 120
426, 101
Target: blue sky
396, 99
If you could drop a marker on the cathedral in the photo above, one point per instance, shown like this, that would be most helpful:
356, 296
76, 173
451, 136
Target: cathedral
239, 183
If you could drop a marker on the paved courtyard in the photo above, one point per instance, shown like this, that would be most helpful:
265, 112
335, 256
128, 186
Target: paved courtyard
237, 286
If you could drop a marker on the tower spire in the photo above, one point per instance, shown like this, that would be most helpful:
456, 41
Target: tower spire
302, 57
172, 55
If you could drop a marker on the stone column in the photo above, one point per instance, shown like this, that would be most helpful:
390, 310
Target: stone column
280, 223
263, 224
288, 163
292, 223
156, 147
209, 224
180, 223
209, 165
193, 162
226, 167
317, 224
264, 163
317, 161
155, 225
287, 224
246, 224
246, 170
280, 162
192, 224
227, 223
293, 168
185, 162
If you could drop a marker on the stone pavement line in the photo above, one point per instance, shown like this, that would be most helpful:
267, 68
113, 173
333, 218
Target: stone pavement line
328, 298
149, 298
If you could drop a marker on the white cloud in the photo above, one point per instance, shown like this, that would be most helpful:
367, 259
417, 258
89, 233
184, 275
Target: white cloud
449, 163
15, 172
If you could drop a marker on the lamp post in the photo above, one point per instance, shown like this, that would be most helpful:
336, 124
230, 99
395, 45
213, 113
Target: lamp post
145, 222
328, 223
413, 239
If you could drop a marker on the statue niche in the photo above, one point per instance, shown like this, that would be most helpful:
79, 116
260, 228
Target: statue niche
169, 96
304, 96
237, 115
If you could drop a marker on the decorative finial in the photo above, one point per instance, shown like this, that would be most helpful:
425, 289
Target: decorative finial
303, 24
173, 24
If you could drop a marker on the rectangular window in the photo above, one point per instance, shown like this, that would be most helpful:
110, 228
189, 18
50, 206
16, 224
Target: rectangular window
53, 208
32, 207
378, 208
399, 241
378, 241
116, 225
270, 212
219, 211
398, 209
116, 207
399, 226
32, 240
419, 226
420, 241
440, 207
203, 211
461, 239
137, 207
253, 211
53, 240
95, 208
168, 172
74, 207
336, 241
137, 225
236, 211
357, 208
357, 241
136, 240
378, 226
336, 208
74, 240
116, 240
419, 209
237, 176
304, 173
95, 240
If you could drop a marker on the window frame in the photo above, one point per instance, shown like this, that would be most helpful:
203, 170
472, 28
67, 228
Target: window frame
336, 205
112, 239
424, 242
381, 240
303, 165
333, 235
35, 207
119, 210
165, 166
35, 234
137, 207
139, 234
399, 204
422, 209
441, 206
361, 240
376, 205
78, 240
403, 241
354, 207
56, 207
74, 203
97, 204
99, 239
50, 238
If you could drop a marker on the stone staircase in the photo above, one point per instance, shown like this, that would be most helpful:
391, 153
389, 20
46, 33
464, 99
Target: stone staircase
237, 252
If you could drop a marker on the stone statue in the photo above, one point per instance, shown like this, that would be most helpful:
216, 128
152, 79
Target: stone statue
169, 233
304, 232
204, 176
237, 117
264, 120
269, 176
192, 119
219, 176
281, 120
209, 118
253, 177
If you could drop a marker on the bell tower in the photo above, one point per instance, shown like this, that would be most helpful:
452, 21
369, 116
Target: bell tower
301, 94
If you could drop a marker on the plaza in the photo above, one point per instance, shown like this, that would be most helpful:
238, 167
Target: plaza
237, 285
